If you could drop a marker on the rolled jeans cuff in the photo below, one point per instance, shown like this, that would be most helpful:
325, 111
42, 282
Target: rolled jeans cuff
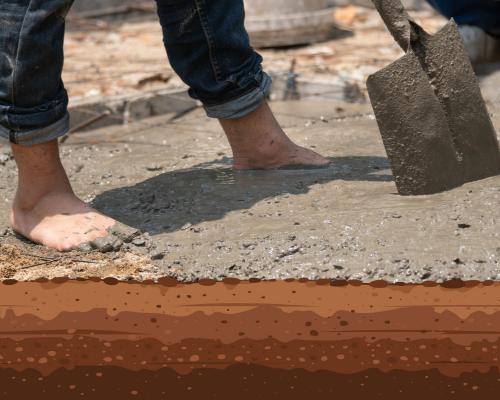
38, 135
243, 105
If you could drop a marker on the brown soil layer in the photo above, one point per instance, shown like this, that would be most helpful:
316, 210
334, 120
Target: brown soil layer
258, 339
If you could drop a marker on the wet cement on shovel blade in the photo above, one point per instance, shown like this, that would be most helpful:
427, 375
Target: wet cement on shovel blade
173, 181
436, 128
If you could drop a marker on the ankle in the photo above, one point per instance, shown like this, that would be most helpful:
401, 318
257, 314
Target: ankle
26, 200
33, 188
40, 175
256, 135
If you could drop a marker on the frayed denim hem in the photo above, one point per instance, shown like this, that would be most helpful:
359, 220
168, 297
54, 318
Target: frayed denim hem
39, 135
243, 105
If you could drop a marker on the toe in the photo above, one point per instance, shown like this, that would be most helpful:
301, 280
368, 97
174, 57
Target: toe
308, 157
318, 159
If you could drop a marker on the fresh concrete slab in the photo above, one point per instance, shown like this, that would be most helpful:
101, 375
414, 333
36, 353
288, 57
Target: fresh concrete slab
173, 179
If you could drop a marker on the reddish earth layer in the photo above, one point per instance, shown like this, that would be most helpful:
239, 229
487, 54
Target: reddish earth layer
258, 340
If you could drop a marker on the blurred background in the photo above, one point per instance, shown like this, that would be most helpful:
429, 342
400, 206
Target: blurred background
314, 49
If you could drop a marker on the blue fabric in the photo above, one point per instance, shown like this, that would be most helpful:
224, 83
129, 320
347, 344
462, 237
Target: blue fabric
244, 104
209, 48
32, 95
482, 13
206, 42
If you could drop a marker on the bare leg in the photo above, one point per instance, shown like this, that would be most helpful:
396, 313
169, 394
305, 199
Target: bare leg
258, 142
45, 209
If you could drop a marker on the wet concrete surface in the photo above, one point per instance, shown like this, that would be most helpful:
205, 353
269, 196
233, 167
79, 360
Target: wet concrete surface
173, 180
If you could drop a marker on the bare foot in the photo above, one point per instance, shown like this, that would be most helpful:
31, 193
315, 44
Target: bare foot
60, 221
258, 142
45, 209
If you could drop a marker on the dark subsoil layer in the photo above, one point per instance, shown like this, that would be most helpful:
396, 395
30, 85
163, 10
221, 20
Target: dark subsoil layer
245, 382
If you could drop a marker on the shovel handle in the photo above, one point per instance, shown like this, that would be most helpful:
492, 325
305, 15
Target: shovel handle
397, 20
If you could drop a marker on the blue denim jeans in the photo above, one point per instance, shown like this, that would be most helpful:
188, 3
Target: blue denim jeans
205, 40
482, 13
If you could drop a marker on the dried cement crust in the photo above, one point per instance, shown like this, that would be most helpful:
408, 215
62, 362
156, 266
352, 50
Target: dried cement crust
118, 235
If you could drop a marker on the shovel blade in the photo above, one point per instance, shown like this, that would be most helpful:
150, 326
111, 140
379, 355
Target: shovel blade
414, 129
433, 119
444, 59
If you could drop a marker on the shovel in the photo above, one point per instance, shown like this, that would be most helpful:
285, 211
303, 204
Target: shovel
434, 123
